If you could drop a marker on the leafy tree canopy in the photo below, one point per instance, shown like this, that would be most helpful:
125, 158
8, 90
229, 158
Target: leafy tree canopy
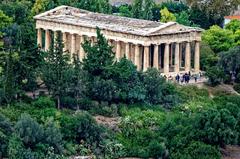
167, 16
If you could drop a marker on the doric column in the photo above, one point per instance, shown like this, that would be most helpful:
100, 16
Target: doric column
180, 56
197, 57
81, 51
188, 57
47, 40
55, 34
137, 57
127, 51
146, 58
64, 39
118, 50
166, 59
39, 37
176, 62
155, 57
73, 45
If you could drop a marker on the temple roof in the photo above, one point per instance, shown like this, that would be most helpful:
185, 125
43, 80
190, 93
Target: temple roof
79, 17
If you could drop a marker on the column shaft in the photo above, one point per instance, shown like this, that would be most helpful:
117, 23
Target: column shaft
81, 51
155, 57
64, 38
127, 50
73, 45
118, 50
176, 62
188, 57
197, 57
166, 59
47, 40
39, 37
137, 57
146, 58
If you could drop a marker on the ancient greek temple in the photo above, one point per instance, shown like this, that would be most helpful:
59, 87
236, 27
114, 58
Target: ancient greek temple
170, 47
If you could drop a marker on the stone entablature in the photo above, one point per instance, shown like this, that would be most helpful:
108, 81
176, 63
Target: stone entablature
166, 46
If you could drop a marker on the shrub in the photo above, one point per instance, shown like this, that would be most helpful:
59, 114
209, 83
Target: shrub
29, 130
15, 147
109, 111
5, 132
216, 127
214, 75
69, 102
44, 102
197, 150
236, 87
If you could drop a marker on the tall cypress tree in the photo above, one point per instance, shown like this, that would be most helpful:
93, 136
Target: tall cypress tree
55, 70
147, 14
137, 9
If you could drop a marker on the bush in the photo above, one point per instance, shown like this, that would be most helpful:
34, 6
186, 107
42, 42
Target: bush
44, 102
69, 102
109, 111
216, 127
214, 75
29, 130
5, 132
197, 150
236, 87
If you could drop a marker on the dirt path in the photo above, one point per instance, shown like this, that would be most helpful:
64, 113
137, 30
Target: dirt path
231, 152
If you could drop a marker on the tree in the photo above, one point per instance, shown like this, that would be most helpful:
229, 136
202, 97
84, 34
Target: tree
167, 16
215, 9
183, 18
55, 70
137, 9
125, 11
216, 127
234, 25
218, 39
158, 91
230, 61
215, 75
5, 21
98, 57
148, 6
130, 89
41, 6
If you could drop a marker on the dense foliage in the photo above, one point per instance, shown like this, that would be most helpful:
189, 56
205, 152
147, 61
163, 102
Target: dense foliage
155, 118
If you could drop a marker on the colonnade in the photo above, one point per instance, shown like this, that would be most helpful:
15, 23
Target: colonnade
166, 57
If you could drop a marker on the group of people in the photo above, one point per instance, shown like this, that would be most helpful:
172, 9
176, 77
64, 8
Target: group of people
185, 78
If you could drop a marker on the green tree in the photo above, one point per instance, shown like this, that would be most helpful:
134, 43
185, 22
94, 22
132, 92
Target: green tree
230, 60
98, 57
158, 90
125, 11
216, 127
234, 25
42, 6
55, 70
5, 21
137, 9
148, 6
183, 18
167, 16
215, 75
218, 39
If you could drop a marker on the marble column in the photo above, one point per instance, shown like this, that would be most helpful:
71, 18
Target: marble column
180, 56
81, 51
47, 40
39, 37
197, 57
118, 50
55, 35
146, 58
137, 56
188, 57
156, 57
73, 45
176, 61
64, 39
166, 59
127, 50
